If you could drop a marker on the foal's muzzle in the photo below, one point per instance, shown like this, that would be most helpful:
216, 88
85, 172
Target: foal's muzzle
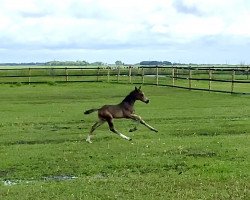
147, 101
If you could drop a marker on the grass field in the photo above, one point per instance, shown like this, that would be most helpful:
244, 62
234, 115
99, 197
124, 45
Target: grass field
202, 149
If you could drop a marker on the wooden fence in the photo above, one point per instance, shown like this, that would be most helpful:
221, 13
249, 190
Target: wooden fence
217, 79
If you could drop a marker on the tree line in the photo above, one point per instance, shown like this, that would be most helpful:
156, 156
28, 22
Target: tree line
155, 63
85, 63
55, 63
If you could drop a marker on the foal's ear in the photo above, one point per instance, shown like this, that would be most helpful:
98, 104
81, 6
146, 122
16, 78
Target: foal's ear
137, 89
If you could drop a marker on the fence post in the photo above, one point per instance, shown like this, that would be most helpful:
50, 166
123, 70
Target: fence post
190, 77
66, 74
118, 74
108, 74
233, 79
173, 75
157, 75
129, 73
52, 73
142, 75
210, 79
29, 74
247, 72
98, 72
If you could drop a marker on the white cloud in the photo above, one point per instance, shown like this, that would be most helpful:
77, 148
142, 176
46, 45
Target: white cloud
117, 25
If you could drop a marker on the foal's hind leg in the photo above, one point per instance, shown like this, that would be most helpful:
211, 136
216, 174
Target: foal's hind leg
111, 127
95, 126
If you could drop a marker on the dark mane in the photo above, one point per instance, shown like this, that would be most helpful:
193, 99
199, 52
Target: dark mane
130, 98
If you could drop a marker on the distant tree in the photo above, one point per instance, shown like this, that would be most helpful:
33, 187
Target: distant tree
67, 63
97, 64
155, 63
166, 63
118, 62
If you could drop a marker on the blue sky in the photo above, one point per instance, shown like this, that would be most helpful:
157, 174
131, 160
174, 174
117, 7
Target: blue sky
188, 31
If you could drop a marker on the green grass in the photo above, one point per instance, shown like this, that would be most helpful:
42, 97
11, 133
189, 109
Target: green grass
200, 152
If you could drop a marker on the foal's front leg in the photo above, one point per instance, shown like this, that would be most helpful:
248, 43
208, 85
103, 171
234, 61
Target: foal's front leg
138, 118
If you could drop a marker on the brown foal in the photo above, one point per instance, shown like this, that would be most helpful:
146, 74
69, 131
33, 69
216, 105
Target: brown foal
125, 109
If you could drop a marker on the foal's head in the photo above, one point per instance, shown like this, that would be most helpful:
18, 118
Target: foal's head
139, 95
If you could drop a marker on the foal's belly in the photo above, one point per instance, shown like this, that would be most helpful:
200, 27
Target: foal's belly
116, 112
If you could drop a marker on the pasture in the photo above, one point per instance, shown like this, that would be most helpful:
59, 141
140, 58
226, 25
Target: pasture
202, 149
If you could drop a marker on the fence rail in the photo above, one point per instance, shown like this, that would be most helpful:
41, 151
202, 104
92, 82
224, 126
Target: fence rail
217, 79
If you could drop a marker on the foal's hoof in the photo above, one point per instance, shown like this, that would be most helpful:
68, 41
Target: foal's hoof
132, 129
129, 139
89, 141
155, 130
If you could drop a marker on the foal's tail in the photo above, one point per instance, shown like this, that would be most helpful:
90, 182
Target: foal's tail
90, 111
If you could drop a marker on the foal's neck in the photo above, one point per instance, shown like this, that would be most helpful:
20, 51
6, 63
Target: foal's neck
130, 99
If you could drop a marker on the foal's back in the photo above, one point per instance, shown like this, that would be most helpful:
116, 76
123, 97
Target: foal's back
111, 111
